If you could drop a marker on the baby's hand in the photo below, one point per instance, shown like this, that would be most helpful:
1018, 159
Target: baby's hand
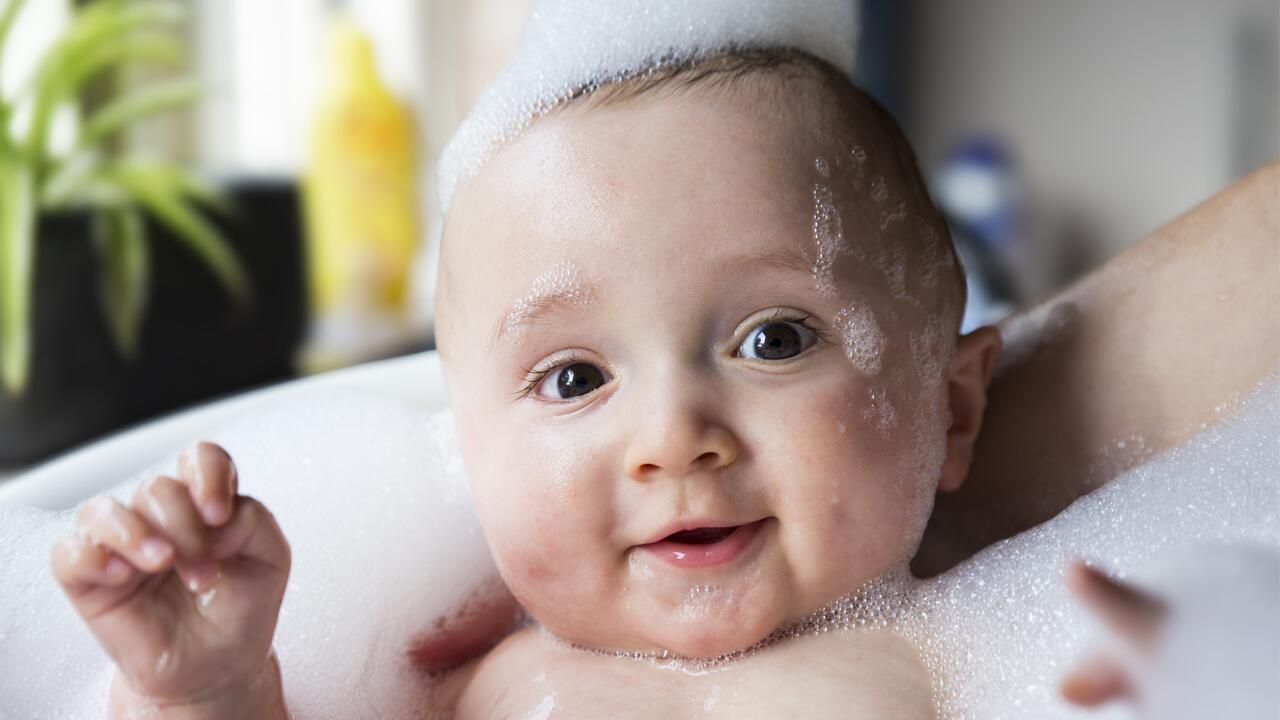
182, 587
1133, 616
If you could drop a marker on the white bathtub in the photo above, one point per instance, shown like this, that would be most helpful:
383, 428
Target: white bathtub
66, 481
352, 450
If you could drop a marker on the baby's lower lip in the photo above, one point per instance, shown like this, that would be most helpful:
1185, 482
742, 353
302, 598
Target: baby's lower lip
690, 555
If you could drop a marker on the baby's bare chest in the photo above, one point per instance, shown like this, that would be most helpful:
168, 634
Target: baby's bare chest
832, 676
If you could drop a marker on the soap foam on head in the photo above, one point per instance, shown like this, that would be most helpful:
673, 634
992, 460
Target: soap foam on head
569, 45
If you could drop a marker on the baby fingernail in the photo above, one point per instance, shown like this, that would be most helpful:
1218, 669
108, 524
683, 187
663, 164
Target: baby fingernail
213, 511
114, 569
155, 551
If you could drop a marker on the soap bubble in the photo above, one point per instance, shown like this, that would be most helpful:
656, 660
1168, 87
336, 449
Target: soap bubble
568, 45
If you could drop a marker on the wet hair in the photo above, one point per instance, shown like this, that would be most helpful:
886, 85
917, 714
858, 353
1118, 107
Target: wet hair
791, 81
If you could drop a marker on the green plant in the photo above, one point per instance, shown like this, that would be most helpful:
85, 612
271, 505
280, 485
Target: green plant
119, 187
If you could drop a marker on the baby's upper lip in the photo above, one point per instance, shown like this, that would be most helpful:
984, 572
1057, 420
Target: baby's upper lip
692, 524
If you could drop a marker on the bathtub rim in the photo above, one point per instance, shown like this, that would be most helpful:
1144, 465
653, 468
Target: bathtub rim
80, 473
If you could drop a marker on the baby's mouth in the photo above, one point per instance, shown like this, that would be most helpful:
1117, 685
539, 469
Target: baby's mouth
701, 536
703, 547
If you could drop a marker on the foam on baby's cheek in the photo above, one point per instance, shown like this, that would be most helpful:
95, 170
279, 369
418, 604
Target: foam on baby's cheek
931, 349
879, 413
863, 339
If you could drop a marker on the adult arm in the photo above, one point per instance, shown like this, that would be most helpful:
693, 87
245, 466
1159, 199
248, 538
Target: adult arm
1134, 358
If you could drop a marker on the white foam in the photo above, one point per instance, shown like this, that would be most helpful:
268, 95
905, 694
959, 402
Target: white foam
1000, 631
879, 412
371, 497
49, 666
570, 44
1220, 647
562, 281
828, 239
863, 339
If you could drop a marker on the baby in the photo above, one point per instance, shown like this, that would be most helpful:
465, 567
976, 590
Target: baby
700, 332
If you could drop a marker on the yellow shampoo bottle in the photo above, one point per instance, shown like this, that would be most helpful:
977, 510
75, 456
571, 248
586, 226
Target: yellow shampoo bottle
361, 210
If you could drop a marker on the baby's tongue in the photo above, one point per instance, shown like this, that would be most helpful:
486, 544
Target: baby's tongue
701, 536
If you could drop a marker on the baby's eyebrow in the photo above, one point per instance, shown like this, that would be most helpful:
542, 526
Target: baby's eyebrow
562, 288
559, 288
790, 258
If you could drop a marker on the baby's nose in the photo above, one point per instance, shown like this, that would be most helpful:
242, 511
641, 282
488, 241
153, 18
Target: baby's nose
678, 444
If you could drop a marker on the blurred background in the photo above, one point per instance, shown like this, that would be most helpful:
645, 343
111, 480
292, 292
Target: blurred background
247, 194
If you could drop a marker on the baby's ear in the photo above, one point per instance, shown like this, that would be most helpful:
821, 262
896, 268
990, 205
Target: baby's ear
971, 366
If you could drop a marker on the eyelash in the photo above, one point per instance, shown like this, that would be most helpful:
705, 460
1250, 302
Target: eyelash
535, 375
783, 316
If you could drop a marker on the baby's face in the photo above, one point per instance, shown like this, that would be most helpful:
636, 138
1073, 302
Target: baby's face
650, 327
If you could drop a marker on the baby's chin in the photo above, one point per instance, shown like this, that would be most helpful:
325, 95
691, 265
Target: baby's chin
709, 622
716, 636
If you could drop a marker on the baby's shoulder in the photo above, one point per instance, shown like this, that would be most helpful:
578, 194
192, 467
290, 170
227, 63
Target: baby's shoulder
498, 678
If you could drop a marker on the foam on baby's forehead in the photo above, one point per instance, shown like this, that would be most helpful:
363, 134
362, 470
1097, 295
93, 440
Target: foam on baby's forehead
569, 45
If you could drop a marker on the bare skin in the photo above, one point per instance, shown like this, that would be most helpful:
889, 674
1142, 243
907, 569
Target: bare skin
1150, 346
872, 674
182, 588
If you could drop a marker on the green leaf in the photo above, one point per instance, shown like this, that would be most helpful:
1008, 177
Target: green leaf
105, 23
7, 17
189, 184
70, 180
17, 269
149, 185
62, 84
125, 274
127, 110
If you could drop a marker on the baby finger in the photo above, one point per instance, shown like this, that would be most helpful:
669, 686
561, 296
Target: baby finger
79, 565
212, 479
166, 505
108, 523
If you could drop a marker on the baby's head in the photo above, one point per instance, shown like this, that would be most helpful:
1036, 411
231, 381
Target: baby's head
700, 333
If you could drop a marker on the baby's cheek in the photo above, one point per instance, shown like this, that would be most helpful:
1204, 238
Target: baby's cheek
849, 492
539, 529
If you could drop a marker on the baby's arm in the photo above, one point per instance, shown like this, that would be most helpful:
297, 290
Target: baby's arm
1149, 346
182, 588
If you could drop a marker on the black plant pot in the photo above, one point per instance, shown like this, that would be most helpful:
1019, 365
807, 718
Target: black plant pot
194, 345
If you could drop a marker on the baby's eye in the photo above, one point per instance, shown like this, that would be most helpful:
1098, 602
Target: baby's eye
777, 340
571, 381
